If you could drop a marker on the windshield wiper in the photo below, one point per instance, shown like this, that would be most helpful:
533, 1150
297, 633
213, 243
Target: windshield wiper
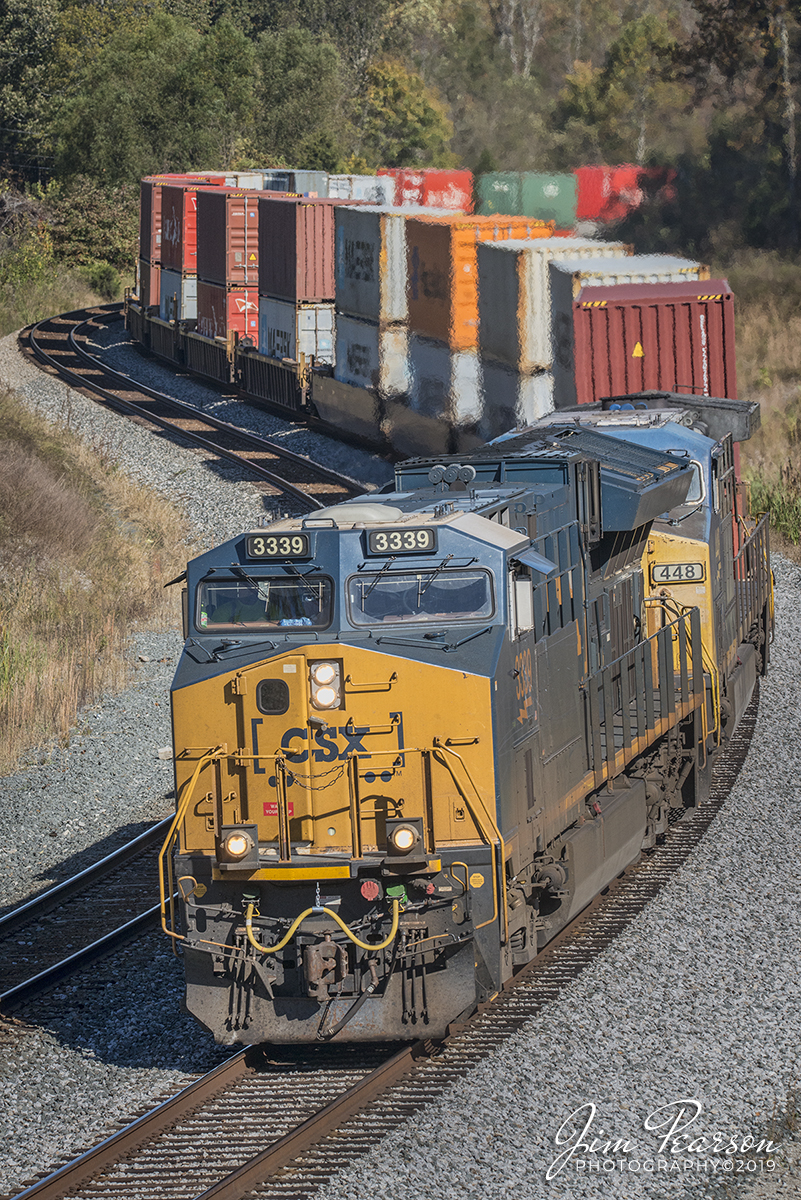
263, 595
434, 574
377, 579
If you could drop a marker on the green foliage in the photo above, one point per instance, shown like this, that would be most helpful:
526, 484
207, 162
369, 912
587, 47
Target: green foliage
157, 98
91, 223
402, 123
298, 100
103, 279
27, 34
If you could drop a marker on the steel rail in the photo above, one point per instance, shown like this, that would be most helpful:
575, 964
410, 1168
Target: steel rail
39, 905
112, 1149
131, 408
261, 443
29, 988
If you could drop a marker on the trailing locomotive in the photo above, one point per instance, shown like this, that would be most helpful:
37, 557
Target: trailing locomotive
417, 732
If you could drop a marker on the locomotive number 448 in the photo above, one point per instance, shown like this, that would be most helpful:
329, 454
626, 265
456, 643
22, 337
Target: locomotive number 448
677, 572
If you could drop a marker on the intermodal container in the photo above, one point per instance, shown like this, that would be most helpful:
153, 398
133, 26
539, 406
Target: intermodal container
431, 187
607, 194
310, 183
150, 220
177, 296
499, 192
222, 310
445, 383
296, 240
275, 180
228, 237
514, 299
148, 283
511, 400
373, 356
288, 330
568, 279
549, 197
371, 268
372, 189
442, 271
672, 337
179, 228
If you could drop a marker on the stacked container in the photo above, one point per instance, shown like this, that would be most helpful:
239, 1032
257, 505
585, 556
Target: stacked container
574, 286
178, 288
672, 337
514, 329
431, 187
228, 263
530, 194
372, 189
442, 269
150, 228
607, 194
297, 278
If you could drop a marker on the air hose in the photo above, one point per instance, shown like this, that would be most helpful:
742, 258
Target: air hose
315, 911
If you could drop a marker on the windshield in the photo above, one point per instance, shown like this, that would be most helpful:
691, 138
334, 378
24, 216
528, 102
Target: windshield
429, 595
264, 603
696, 491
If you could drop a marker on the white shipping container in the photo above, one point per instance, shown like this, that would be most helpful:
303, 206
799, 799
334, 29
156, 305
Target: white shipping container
177, 296
288, 330
569, 277
445, 383
252, 180
512, 400
310, 183
514, 300
376, 189
369, 355
371, 270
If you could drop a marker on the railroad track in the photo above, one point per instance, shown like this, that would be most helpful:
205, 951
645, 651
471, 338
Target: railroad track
56, 344
258, 1150
79, 921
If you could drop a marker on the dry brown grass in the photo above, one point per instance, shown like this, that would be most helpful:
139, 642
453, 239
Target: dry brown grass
768, 330
23, 304
84, 554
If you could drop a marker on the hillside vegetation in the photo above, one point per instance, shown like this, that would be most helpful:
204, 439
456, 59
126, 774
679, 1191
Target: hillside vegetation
84, 553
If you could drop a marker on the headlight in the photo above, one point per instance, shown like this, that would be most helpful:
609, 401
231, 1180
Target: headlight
326, 691
403, 838
237, 845
238, 848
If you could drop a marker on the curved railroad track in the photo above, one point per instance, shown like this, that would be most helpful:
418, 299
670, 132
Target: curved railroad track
75, 923
55, 343
261, 1150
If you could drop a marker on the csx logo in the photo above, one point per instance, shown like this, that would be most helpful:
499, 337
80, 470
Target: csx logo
322, 745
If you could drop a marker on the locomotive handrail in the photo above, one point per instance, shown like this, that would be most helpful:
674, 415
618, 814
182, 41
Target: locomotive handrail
501, 867
610, 693
211, 755
676, 609
753, 577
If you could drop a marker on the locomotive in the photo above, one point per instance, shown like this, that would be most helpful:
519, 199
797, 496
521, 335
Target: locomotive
417, 732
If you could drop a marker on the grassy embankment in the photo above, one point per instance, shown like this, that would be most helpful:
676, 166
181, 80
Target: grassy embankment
768, 329
84, 553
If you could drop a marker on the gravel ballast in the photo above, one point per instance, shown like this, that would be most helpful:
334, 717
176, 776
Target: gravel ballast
700, 999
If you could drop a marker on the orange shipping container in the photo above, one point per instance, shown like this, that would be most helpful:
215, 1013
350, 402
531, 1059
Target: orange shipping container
442, 271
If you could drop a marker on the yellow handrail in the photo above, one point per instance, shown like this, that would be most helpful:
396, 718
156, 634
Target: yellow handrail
440, 745
180, 813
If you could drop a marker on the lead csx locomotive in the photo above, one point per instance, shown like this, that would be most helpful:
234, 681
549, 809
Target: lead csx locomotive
417, 732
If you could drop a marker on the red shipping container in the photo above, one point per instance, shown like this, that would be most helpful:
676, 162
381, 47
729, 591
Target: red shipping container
432, 187
607, 193
149, 282
670, 337
150, 220
228, 236
222, 310
296, 248
179, 228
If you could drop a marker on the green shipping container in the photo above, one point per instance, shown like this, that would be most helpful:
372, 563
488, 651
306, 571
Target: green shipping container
549, 197
499, 192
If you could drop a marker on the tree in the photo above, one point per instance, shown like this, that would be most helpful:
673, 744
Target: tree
157, 98
402, 123
298, 100
27, 32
